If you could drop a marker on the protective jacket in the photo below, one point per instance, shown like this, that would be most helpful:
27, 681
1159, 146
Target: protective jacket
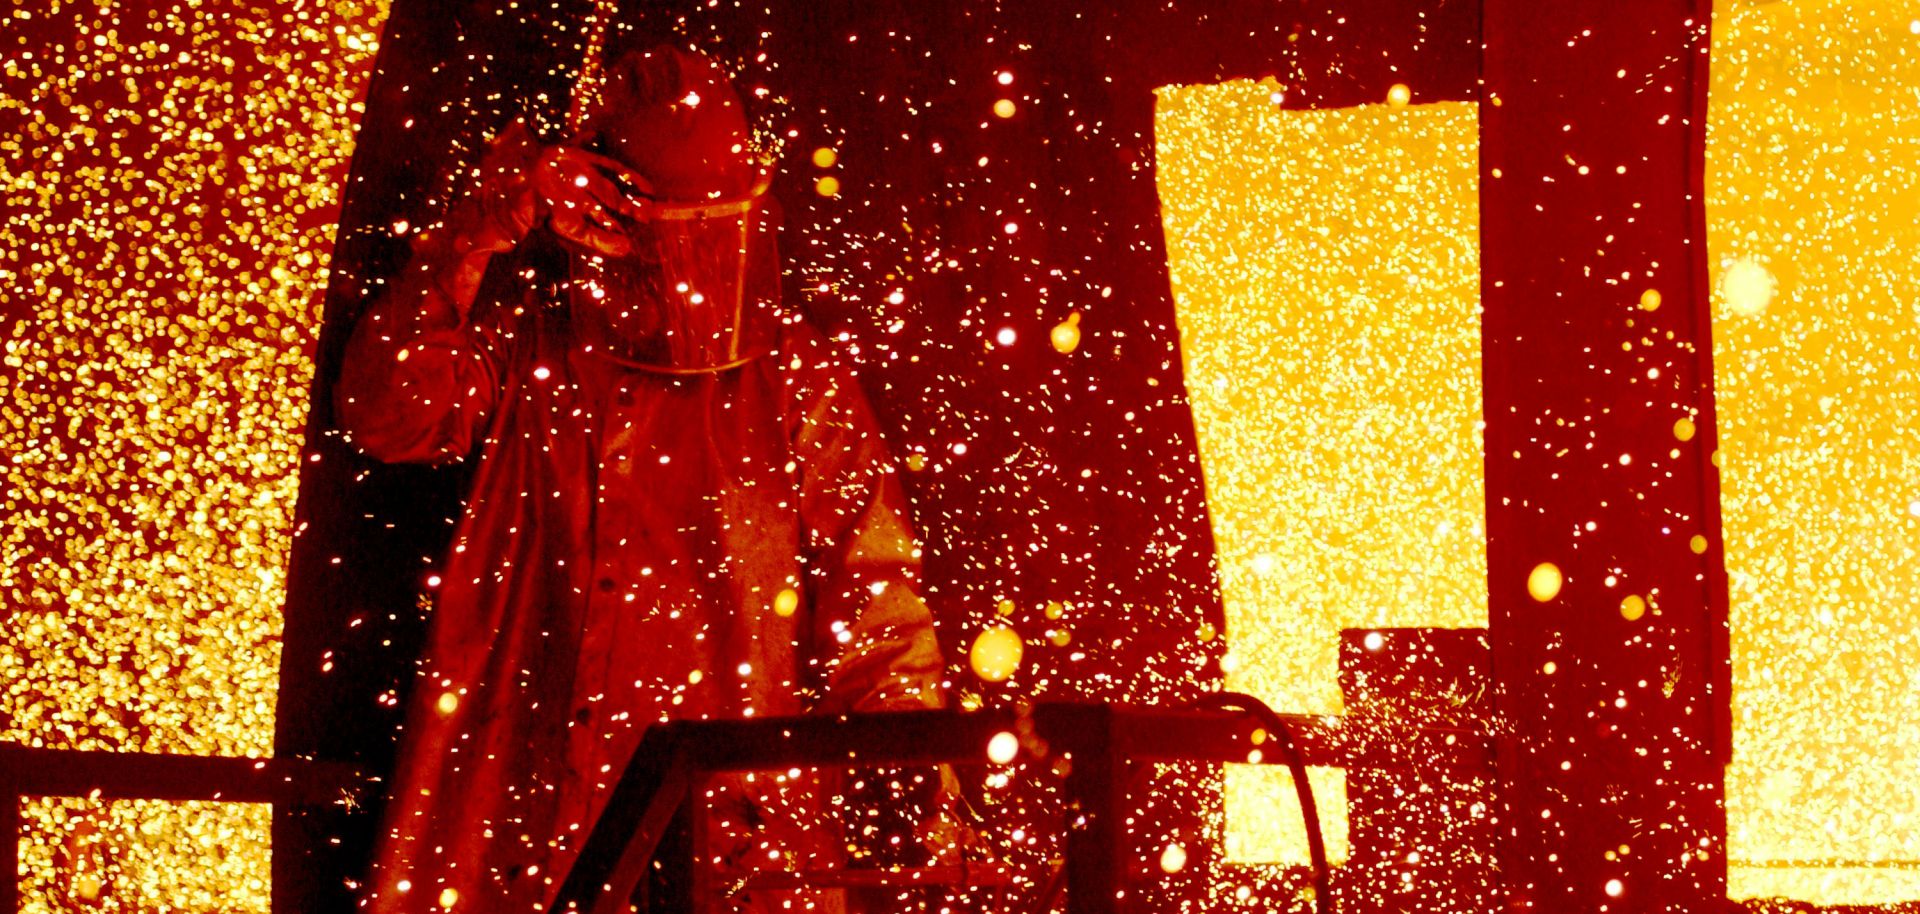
636, 547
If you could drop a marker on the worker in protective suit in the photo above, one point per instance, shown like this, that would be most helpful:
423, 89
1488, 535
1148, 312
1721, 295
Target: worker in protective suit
682, 505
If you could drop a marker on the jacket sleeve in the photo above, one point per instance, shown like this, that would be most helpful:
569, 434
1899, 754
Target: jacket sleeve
863, 560
419, 379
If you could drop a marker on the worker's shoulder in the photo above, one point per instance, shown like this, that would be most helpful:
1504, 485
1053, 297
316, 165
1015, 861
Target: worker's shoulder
805, 349
816, 370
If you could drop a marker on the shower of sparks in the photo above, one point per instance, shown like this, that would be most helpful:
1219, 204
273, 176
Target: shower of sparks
1814, 217
171, 192
163, 256
1326, 269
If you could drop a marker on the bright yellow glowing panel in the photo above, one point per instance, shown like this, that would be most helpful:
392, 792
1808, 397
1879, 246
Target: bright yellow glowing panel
1325, 269
169, 177
1813, 193
1264, 824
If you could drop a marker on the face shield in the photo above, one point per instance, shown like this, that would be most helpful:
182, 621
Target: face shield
698, 293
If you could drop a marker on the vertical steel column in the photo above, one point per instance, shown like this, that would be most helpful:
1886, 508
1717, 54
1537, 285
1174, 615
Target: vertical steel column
1607, 600
10, 823
701, 884
1096, 814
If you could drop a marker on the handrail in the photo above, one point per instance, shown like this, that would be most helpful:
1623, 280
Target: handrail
1102, 740
673, 758
32, 771
38, 772
1290, 755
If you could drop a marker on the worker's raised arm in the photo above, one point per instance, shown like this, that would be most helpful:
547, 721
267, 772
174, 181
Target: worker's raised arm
419, 379
422, 371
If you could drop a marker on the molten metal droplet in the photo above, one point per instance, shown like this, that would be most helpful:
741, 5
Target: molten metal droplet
1002, 748
1173, 858
1066, 334
1543, 583
1633, 607
996, 654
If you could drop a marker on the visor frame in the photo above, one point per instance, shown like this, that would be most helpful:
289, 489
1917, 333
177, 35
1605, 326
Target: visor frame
738, 348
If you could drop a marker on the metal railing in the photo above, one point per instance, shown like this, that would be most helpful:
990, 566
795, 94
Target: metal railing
33, 772
1102, 742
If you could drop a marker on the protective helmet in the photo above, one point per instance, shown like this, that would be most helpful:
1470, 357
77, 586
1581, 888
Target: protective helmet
700, 290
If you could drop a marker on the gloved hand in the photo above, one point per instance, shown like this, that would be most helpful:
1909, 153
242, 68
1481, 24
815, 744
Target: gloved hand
590, 198
500, 207
586, 198
583, 195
